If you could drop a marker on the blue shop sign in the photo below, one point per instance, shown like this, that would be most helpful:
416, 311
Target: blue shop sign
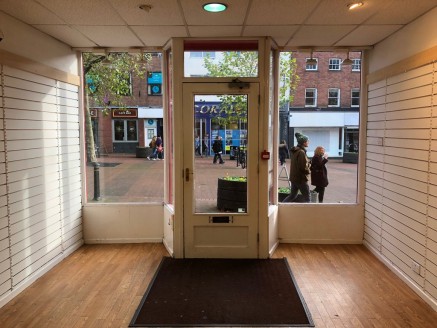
154, 77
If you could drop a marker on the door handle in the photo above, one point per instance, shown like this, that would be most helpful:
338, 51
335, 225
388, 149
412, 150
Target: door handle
187, 174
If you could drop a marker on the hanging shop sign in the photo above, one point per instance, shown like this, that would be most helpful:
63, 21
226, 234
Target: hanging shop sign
93, 113
125, 113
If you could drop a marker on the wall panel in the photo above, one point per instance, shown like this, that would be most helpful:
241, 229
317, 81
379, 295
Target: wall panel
5, 260
402, 139
40, 175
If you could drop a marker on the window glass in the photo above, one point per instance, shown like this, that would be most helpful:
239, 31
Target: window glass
119, 130
355, 97
131, 130
221, 64
119, 126
334, 64
312, 67
202, 54
333, 97
356, 66
310, 97
314, 111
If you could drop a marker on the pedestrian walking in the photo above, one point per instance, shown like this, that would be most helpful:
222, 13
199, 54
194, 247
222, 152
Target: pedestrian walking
319, 172
283, 152
217, 148
197, 146
299, 171
205, 146
152, 145
159, 148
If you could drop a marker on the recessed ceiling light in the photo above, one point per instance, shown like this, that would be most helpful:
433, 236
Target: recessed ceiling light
355, 5
214, 7
146, 8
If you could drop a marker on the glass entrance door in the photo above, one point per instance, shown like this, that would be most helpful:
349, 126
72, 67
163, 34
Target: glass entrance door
220, 170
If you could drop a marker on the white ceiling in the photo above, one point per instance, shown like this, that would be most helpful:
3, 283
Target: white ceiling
291, 23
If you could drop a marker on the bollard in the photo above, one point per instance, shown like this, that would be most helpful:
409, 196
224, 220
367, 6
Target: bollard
96, 181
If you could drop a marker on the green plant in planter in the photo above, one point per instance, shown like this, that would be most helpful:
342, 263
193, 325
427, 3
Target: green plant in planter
236, 179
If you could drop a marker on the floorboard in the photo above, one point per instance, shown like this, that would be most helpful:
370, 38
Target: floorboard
102, 285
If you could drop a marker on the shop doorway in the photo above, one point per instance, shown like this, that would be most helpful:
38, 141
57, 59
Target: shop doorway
220, 200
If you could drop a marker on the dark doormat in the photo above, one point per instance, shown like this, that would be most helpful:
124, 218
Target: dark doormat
222, 292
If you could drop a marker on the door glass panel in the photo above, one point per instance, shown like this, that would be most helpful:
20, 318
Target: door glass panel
131, 130
118, 130
220, 157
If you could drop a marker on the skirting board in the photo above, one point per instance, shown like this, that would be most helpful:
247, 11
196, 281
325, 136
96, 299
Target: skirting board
123, 241
320, 241
168, 248
273, 249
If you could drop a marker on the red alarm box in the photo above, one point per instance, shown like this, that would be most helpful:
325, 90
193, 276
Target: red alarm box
265, 154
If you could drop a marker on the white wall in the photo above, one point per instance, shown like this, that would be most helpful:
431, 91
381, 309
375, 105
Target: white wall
25, 41
123, 223
418, 36
40, 171
401, 158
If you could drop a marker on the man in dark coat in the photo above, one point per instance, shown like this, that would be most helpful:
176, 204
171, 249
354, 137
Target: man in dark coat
217, 148
299, 171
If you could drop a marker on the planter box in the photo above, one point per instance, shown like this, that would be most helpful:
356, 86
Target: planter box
232, 196
143, 152
350, 158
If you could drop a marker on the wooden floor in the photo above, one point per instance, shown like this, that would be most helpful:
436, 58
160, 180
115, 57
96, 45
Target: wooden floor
102, 285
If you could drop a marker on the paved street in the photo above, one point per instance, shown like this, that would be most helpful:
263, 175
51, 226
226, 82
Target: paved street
125, 178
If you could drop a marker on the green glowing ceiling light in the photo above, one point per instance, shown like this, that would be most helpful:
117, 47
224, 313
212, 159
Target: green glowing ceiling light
215, 7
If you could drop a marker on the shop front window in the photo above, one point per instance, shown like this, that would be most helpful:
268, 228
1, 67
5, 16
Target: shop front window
125, 130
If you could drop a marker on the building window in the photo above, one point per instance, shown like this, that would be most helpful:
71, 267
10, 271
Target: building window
355, 97
311, 97
202, 54
125, 130
356, 66
334, 97
310, 67
334, 64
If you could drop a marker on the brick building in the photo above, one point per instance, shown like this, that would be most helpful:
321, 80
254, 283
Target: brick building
325, 107
326, 102
122, 130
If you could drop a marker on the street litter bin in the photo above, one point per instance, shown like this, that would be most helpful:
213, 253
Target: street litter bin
233, 152
314, 196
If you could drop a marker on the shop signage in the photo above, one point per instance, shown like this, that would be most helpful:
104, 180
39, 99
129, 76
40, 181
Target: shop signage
214, 109
93, 112
125, 113
154, 78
